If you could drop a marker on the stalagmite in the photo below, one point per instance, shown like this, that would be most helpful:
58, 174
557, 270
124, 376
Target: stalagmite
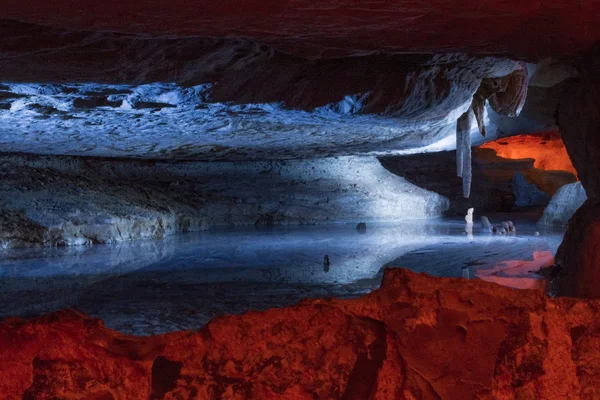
486, 225
469, 216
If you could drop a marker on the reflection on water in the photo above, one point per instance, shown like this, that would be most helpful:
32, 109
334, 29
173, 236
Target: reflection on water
147, 287
518, 273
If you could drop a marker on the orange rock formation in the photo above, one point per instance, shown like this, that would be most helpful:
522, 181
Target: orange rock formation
417, 337
547, 149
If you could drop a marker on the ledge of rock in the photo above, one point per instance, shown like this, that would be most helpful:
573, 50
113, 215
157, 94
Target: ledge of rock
417, 337
50, 201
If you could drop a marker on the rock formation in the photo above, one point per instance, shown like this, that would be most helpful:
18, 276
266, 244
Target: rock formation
506, 96
541, 158
486, 225
417, 337
579, 123
469, 216
546, 149
563, 205
527, 194
49, 201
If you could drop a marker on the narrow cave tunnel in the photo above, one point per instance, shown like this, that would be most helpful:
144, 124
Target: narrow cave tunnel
288, 200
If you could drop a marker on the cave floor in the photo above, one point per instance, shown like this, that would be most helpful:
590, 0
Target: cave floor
149, 287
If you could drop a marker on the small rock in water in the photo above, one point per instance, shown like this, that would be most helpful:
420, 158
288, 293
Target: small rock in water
326, 263
509, 227
536, 234
361, 227
469, 216
486, 225
499, 230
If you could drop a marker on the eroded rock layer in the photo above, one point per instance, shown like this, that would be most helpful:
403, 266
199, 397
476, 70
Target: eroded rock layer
416, 337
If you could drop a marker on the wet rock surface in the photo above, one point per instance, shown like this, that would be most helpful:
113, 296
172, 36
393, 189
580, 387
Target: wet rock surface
49, 201
415, 337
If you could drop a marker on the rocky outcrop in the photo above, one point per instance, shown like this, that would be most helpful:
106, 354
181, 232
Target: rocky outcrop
417, 337
563, 205
49, 201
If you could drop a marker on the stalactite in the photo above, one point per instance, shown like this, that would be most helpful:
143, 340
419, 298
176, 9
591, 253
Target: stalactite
463, 150
506, 96
478, 106
459, 148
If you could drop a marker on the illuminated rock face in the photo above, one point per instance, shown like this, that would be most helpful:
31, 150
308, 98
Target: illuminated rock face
546, 149
85, 201
230, 101
417, 337
563, 205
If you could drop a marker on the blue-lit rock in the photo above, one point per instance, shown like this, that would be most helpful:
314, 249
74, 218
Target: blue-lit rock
48, 201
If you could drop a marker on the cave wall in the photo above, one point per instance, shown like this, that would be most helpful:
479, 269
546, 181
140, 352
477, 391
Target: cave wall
48, 200
579, 120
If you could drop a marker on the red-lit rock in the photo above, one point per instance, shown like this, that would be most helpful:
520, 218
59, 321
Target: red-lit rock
329, 28
546, 149
417, 337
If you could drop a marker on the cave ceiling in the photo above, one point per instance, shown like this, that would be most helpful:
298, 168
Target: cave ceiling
264, 79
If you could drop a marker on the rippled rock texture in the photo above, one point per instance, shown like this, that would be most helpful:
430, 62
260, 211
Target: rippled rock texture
203, 99
49, 201
417, 337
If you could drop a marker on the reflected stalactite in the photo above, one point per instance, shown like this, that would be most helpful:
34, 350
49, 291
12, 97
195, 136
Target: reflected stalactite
506, 95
